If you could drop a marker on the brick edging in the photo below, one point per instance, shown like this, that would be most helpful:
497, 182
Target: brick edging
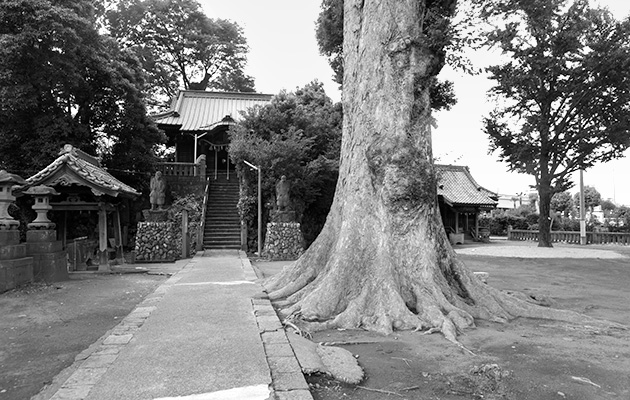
287, 379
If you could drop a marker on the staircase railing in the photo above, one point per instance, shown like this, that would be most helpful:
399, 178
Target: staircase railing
202, 225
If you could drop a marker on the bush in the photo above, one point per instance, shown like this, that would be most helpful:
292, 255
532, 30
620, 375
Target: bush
498, 224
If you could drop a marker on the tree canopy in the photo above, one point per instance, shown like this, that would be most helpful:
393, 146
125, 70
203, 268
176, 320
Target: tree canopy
61, 81
180, 47
564, 91
562, 202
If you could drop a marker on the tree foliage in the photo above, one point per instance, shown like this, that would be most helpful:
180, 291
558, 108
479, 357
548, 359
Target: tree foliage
564, 88
297, 135
180, 47
608, 207
592, 198
562, 202
329, 33
63, 82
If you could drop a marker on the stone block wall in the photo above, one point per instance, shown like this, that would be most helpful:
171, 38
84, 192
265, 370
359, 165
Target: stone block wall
157, 241
50, 262
16, 268
283, 241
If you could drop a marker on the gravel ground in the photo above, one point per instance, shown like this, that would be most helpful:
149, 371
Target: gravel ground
504, 248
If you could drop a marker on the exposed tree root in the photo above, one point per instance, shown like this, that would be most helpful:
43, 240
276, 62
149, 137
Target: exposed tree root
335, 293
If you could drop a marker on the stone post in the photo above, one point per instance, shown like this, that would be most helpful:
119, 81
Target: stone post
243, 235
201, 165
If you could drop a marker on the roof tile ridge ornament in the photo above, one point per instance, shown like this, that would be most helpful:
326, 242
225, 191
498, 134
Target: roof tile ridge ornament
75, 152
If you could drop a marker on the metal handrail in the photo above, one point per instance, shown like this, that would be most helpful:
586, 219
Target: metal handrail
202, 225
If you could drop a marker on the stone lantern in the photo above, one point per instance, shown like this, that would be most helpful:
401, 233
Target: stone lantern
7, 181
42, 195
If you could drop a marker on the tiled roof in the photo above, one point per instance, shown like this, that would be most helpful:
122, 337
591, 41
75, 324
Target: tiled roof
74, 166
197, 110
457, 187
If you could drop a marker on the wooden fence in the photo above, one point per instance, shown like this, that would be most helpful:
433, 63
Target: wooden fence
573, 237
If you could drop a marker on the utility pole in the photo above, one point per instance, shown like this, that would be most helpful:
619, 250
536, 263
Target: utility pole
582, 210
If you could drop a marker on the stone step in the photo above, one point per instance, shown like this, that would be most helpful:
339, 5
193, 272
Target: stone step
213, 229
230, 242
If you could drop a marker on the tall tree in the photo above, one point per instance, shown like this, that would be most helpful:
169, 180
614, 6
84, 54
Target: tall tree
180, 47
383, 261
566, 92
329, 33
62, 82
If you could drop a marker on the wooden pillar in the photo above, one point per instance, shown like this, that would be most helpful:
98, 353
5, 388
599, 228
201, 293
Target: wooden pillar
62, 230
118, 237
195, 157
477, 224
466, 227
456, 222
216, 163
103, 262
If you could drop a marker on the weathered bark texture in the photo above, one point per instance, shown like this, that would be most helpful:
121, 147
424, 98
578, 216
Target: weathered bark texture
382, 261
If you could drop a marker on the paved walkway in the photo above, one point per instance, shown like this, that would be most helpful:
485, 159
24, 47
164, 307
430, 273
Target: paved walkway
207, 333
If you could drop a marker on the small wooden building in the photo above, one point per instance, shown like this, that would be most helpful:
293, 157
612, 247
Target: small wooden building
197, 124
82, 185
461, 200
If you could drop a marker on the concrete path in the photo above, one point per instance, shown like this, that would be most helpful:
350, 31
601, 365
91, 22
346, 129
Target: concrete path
207, 333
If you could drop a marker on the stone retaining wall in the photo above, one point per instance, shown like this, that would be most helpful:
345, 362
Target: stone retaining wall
283, 241
157, 241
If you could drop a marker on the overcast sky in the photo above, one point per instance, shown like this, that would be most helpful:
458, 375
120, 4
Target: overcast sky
284, 55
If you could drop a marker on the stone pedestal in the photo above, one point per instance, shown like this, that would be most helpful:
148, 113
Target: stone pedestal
155, 215
283, 216
50, 262
156, 241
15, 267
283, 241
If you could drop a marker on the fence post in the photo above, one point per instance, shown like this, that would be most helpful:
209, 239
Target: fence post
509, 232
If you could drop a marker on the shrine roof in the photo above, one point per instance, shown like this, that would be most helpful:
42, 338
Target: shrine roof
198, 110
457, 187
74, 166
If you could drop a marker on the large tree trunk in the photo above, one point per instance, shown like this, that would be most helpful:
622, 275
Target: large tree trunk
544, 219
382, 261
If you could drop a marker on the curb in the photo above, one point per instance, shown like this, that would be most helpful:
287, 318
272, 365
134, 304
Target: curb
287, 379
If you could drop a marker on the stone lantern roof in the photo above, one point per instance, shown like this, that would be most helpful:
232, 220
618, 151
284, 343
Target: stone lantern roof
8, 178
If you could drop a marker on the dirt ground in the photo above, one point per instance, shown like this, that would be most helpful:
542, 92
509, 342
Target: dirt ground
523, 360
43, 327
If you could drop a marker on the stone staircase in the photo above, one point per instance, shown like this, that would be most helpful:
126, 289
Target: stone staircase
222, 226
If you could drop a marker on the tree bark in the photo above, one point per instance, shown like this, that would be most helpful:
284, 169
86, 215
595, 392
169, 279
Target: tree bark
544, 219
383, 261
